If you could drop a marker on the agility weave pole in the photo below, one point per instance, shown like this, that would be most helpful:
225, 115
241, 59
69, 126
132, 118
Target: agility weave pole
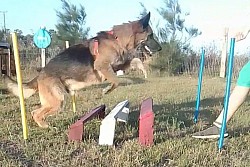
73, 96
20, 87
196, 113
227, 92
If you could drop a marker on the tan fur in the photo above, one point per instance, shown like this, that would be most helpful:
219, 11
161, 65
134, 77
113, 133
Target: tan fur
126, 40
79, 66
14, 88
29, 88
50, 97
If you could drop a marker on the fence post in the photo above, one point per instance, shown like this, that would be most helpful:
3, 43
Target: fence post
224, 54
67, 44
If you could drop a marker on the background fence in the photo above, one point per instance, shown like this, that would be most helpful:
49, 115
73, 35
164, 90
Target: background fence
31, 60
212, 65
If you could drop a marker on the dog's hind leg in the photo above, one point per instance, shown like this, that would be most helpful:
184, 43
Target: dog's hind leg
38, 118
51, 97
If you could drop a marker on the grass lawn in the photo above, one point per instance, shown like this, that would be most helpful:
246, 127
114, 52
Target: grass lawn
174, 104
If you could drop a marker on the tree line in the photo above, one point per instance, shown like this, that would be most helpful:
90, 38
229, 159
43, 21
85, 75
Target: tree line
174, 35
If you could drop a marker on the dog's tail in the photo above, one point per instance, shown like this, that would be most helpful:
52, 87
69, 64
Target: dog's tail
29, 88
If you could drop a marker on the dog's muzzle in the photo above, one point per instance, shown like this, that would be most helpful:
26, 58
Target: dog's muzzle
148, 50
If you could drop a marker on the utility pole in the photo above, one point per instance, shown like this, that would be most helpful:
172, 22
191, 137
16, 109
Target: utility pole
4, 24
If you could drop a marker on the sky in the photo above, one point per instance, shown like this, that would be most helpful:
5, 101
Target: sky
209, 16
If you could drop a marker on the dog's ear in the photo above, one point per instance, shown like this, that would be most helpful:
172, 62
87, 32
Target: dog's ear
145, 20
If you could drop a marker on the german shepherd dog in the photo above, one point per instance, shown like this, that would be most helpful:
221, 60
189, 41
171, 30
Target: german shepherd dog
85, 64
142, 55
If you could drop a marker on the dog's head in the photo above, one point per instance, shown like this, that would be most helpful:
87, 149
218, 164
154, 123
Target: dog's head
137, 34
144, 36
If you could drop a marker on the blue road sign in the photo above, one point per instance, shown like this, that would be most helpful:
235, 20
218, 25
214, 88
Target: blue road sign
42, 38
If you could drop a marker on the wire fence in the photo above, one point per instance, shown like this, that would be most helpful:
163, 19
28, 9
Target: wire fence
212, 64
31, 60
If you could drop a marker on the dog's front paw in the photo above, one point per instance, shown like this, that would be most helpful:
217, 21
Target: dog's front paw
106, 90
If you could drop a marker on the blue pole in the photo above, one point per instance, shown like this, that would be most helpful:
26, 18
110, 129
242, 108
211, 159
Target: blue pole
227, 94
196, 113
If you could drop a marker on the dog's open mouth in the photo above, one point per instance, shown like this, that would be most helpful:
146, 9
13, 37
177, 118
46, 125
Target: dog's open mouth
148, 50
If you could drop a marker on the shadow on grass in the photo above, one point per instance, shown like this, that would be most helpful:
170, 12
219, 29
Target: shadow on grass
132, 126
124, 81
239, 131
92, 128
176, 120
12, 151
172, 120
4, 91
184, 112
5, 97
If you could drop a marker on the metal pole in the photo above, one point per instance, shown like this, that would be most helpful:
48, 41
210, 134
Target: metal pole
199, 86
227, 94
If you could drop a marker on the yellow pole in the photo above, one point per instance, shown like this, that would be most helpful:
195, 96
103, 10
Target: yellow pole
74, 102
73, 96
20, 87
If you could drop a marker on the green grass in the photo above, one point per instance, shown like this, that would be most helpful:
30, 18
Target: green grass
174, 100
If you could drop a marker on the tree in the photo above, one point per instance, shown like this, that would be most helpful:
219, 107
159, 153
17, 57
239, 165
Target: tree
1, 34
175, 23
71, 24
19, 34
144, 11
171, 13
5, 35
174, 36
55, 42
